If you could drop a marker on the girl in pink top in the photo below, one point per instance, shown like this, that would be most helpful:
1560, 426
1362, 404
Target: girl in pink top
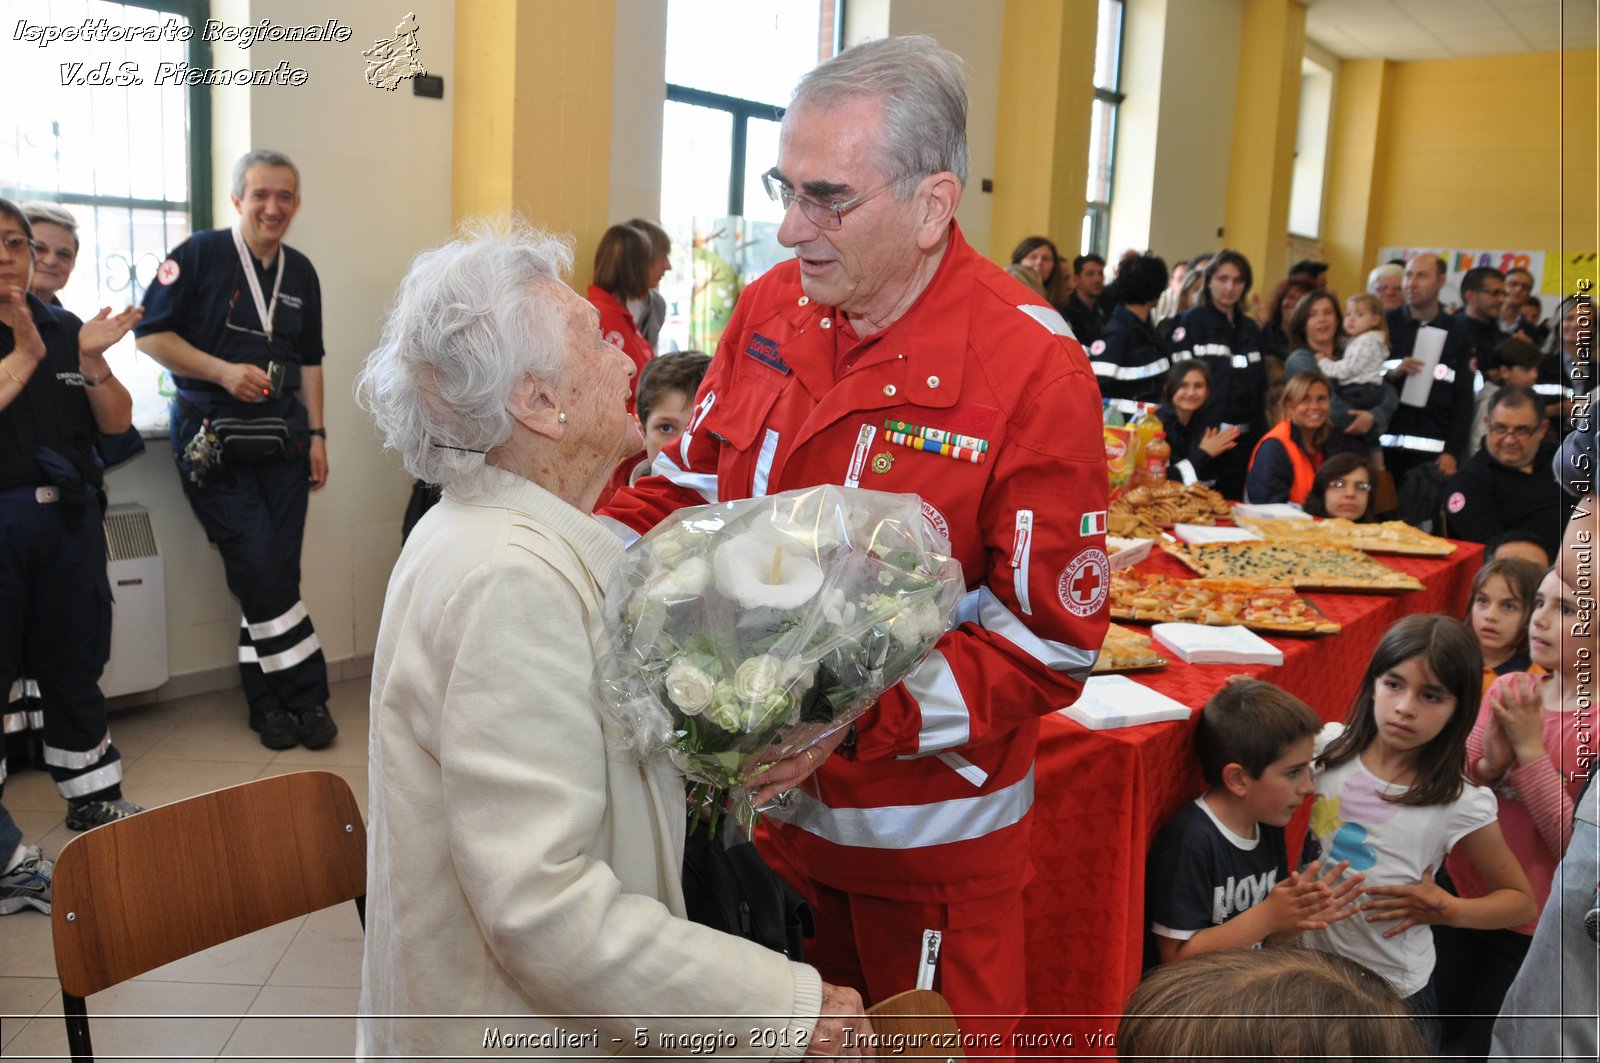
1525, 746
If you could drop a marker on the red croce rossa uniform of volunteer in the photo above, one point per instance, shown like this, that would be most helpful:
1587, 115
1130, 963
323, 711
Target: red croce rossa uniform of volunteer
933, 804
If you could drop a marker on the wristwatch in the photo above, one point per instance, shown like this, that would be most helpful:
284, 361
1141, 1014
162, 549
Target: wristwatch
320, 433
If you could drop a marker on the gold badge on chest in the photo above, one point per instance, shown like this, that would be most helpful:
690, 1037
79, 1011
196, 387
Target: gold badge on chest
882, 462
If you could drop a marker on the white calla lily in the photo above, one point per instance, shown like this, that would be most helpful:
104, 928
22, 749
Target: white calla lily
759, 572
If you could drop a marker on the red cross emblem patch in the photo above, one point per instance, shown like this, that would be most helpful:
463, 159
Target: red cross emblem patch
168, 272
1084, 583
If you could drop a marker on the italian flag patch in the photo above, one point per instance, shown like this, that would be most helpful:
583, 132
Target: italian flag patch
1093, 523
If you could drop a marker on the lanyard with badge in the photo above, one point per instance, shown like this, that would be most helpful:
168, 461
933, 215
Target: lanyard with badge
264, 312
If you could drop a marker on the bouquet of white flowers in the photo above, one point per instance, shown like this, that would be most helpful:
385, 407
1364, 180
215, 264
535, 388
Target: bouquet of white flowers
744, 632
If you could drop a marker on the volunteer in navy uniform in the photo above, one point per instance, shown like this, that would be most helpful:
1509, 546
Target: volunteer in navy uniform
225, 305
56, 393
1440, 430
1223, 335
889, 355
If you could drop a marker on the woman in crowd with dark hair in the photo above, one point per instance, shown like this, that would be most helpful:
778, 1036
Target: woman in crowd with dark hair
1036, 263
1343, 488
1316, 330
1194, 448
622, 275
1227, 340
1280, 308
1129, 358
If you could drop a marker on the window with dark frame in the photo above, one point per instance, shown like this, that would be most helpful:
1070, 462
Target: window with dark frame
1108, 98
130, 161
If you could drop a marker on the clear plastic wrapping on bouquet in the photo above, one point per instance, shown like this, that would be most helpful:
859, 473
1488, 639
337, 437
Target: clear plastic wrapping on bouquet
744, 632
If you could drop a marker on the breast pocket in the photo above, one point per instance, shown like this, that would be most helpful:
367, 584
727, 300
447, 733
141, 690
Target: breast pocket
739, 415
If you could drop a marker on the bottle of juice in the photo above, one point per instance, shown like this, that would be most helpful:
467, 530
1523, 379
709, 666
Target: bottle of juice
1145, 425
1157, 454
1120, 467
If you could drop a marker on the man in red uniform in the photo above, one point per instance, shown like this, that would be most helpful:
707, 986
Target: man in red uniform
912, 841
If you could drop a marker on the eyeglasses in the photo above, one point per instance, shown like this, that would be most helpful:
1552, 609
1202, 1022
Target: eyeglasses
1364, 486
822, 215
17, 245
1519, 432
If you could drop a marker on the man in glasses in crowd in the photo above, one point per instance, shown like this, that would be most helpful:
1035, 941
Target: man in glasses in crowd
235, 315
1507, 485
889, 355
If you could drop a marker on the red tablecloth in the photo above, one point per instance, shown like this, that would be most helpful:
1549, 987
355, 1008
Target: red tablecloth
1102, 796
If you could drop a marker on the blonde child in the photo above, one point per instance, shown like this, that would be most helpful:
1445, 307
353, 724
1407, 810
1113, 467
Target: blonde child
1526, 748
1392, 800
1357, 373
1498, 608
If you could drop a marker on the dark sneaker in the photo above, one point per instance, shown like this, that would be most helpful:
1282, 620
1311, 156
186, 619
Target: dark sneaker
316, 727
87, 815
28, 884
276, 728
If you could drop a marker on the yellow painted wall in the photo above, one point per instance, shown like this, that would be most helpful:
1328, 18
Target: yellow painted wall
533, 115
1495, 151
1042, 123
1266, 111
1349, 229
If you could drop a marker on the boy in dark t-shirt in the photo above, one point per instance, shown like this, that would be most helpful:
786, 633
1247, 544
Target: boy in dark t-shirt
1218, 873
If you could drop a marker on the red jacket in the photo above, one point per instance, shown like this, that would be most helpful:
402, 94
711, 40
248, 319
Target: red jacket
618, 327
934, 803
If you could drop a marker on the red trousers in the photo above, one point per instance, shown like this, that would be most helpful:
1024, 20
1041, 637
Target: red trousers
876, 946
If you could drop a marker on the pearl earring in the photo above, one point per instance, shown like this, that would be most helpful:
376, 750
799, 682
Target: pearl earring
562, 417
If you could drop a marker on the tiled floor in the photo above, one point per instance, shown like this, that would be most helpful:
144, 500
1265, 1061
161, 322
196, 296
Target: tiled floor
286, 991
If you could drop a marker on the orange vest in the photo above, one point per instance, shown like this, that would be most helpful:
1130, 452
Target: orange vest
1304, 472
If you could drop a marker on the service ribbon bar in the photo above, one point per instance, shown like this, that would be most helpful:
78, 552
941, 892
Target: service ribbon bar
938, 435
949, 450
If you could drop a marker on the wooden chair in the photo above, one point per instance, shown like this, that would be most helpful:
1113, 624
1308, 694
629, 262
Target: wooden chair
908, 1019
156, 887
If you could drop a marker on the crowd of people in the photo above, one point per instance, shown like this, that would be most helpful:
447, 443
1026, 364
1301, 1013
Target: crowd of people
1221, 365
523, 861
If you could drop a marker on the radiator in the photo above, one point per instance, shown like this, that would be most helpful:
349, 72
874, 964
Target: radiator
139, 613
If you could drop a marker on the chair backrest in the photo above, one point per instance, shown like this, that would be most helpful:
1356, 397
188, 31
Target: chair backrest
159, 886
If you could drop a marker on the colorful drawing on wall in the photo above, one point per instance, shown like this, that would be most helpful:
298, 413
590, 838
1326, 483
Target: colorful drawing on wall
1554, 273
712, 262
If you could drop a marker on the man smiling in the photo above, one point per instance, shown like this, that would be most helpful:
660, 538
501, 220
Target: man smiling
884, 336
1507, 485
226, 306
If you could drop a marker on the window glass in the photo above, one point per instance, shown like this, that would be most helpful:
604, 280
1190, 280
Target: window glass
115, 156
761, 154
697, 160
753, 49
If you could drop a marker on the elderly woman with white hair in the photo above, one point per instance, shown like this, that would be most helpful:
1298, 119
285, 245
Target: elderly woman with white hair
1386, 281
520, 862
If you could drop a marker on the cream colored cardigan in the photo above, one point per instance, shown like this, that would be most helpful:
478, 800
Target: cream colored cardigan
519, 871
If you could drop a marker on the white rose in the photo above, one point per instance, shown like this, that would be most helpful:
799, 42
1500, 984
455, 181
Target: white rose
905, 628
930, 619
688, 579
725, 708
757, 678
690, 688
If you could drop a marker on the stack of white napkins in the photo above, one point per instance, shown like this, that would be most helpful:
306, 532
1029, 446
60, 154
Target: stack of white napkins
1205, 533
1117, 701
1205, 644
1270, 510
